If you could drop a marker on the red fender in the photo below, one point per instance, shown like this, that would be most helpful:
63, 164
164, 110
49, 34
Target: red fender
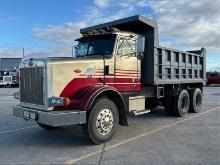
86, 98
88, 95
83, 93
83, 97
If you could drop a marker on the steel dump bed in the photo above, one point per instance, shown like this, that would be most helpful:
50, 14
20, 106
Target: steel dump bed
160, 65
172, 66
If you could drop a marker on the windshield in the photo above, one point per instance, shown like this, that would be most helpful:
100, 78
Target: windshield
3, 73
98, 45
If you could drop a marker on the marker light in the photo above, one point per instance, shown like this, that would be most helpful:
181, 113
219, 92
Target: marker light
58, 101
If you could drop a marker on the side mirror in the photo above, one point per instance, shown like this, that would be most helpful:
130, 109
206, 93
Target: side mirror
75, 47
74, 50
140, 45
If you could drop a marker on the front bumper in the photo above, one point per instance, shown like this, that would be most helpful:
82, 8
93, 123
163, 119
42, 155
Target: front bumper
53, 118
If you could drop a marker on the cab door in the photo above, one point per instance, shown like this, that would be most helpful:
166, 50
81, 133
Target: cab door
127, 65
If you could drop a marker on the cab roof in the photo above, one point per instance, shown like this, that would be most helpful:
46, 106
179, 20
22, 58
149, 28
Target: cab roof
137, 24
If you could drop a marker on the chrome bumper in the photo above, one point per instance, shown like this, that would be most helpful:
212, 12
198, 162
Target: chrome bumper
53, 118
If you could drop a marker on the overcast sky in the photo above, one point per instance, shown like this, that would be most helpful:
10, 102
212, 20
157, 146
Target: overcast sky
50, 26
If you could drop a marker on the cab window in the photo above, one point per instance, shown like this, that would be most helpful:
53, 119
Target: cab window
96, 45
126, 47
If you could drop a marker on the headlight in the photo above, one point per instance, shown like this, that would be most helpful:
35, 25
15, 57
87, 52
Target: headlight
58, 101
17, 95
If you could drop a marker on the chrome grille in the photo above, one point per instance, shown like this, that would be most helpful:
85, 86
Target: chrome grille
31, 85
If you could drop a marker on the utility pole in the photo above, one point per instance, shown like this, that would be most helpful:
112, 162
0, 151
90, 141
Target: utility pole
72, 50
23, 52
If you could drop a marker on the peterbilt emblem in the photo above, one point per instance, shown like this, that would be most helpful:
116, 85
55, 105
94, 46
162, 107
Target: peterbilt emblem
90, 71
31, 63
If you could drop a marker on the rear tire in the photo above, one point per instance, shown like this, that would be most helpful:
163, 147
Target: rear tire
103, 121
195, 96
181, 104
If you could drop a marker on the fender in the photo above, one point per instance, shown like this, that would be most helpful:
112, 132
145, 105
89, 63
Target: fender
84, 100
83, 93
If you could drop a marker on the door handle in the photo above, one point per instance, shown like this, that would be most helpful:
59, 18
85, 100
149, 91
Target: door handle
106, 70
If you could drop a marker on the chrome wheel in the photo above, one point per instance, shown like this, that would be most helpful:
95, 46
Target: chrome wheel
105, 121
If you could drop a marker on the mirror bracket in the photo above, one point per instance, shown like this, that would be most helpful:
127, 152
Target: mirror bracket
140, 45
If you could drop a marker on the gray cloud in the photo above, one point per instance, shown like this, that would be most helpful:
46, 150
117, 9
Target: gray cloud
101, 3
66, 33
182, 24
61, 34
213, 65
4, 20
189, 23
11, 53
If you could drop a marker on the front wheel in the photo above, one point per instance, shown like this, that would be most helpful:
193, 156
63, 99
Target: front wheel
103, 121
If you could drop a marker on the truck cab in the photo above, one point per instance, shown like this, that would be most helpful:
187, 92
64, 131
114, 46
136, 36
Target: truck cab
9, 78
119, 64
6, 78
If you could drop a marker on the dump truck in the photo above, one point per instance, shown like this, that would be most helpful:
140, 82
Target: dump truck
119, 69
9, 78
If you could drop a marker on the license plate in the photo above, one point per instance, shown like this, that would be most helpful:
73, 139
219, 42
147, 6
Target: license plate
30, 115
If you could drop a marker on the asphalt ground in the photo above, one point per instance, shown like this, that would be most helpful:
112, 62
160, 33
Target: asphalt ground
153, 138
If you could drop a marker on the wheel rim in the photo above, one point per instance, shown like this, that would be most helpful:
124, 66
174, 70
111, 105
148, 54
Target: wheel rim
105, 121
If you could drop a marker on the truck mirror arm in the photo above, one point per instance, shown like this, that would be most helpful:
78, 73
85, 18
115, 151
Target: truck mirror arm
140, 56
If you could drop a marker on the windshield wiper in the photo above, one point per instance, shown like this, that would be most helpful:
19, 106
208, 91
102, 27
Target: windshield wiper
95, 54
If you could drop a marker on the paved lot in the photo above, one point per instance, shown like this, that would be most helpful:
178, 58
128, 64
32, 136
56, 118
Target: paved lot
153, 138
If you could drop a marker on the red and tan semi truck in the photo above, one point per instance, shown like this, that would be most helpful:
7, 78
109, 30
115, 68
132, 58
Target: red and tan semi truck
119, 68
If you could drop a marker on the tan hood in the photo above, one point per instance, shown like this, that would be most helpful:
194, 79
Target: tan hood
61, 72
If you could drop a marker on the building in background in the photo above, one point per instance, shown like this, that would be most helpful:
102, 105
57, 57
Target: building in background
9, 64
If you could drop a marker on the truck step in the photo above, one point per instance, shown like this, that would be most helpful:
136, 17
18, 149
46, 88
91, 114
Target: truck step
136, 113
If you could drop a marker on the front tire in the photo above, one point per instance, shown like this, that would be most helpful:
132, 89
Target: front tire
103, 121
181, 104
